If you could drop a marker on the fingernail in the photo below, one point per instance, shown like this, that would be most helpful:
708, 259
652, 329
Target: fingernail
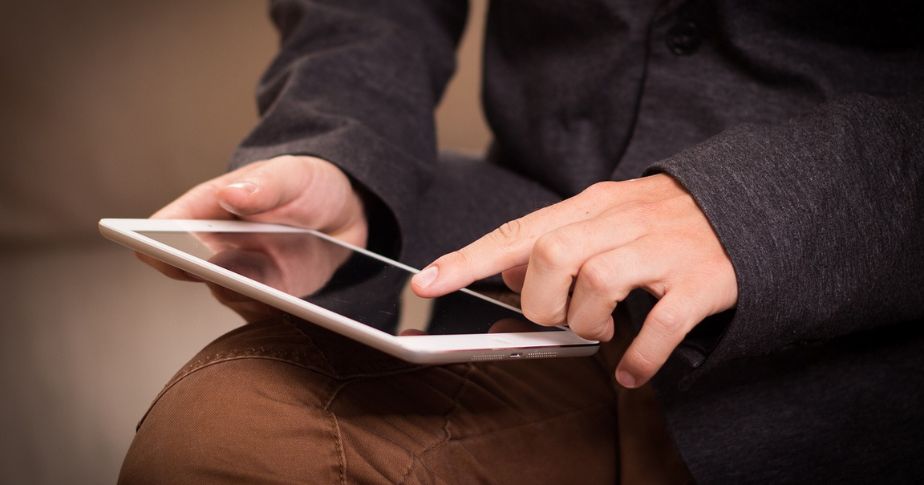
625, 379
248, 187
426, 277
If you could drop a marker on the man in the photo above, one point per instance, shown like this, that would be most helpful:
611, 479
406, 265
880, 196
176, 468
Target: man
777, 223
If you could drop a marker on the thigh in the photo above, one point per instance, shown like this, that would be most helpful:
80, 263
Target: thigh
284, 401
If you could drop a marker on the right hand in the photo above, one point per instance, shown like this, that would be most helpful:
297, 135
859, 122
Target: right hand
298, 191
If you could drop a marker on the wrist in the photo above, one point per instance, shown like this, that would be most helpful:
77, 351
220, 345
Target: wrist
352, 225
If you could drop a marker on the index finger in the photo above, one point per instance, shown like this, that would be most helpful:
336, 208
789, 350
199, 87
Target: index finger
506, 247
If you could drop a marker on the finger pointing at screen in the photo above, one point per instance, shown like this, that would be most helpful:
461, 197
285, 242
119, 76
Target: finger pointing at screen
583, 256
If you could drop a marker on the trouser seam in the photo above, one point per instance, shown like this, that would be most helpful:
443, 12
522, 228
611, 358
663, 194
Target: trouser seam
338, 445
223, 357
447, 435
287, 319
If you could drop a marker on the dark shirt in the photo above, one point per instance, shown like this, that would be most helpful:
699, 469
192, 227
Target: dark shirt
797, 126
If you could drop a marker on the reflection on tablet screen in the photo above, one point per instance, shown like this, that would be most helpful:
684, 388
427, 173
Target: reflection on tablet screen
352, 284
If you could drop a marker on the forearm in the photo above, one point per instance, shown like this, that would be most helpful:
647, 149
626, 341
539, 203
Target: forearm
356, 83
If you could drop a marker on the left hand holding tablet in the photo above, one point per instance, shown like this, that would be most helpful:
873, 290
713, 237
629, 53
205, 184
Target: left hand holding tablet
299, 191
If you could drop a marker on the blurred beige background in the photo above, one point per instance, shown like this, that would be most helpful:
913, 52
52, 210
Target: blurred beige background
110, 109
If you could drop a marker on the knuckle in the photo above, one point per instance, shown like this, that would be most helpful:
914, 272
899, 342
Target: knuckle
599, 189
285, 160
508, 231
667, 320
209, 188
643, 361
595, 331
542, 311
452, 262
552, 249
293, 169
457, 258
539, 315
597, 276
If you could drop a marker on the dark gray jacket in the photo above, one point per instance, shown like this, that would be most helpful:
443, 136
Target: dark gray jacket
797, 125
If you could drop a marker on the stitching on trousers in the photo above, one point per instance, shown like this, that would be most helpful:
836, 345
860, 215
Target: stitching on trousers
447, 436
221, 357
338, 444
335, 393
288, 321
296, 357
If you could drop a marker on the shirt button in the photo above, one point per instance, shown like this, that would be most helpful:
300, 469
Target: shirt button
684, 38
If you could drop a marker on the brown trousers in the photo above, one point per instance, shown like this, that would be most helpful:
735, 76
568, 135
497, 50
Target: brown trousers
283, 401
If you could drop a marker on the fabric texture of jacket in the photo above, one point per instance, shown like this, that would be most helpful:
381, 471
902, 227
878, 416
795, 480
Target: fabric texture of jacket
797, 126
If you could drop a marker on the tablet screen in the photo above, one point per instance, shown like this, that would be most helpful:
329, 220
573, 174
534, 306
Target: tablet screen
347, 282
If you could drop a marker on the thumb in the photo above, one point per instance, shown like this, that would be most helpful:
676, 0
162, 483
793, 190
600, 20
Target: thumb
294, 190
264, 188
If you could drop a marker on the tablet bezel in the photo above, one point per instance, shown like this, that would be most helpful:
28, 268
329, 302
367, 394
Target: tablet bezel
423, 349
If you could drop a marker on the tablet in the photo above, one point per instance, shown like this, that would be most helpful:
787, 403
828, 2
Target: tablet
345, 289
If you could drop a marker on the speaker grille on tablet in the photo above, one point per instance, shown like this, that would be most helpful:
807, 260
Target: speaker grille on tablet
489, 357
537, 354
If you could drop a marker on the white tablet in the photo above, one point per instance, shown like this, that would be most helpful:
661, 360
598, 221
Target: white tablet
345, 289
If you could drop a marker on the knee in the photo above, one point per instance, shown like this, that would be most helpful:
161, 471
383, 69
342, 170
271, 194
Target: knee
232, 420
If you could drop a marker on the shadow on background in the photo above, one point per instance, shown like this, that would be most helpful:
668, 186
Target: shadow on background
110, 109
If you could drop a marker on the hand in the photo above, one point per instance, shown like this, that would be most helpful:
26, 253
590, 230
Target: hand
574, 261
295, 190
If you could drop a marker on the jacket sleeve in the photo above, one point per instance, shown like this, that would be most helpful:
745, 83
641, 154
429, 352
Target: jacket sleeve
822, 217
356, 83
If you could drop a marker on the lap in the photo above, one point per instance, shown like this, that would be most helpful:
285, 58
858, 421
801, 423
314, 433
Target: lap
284, 401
